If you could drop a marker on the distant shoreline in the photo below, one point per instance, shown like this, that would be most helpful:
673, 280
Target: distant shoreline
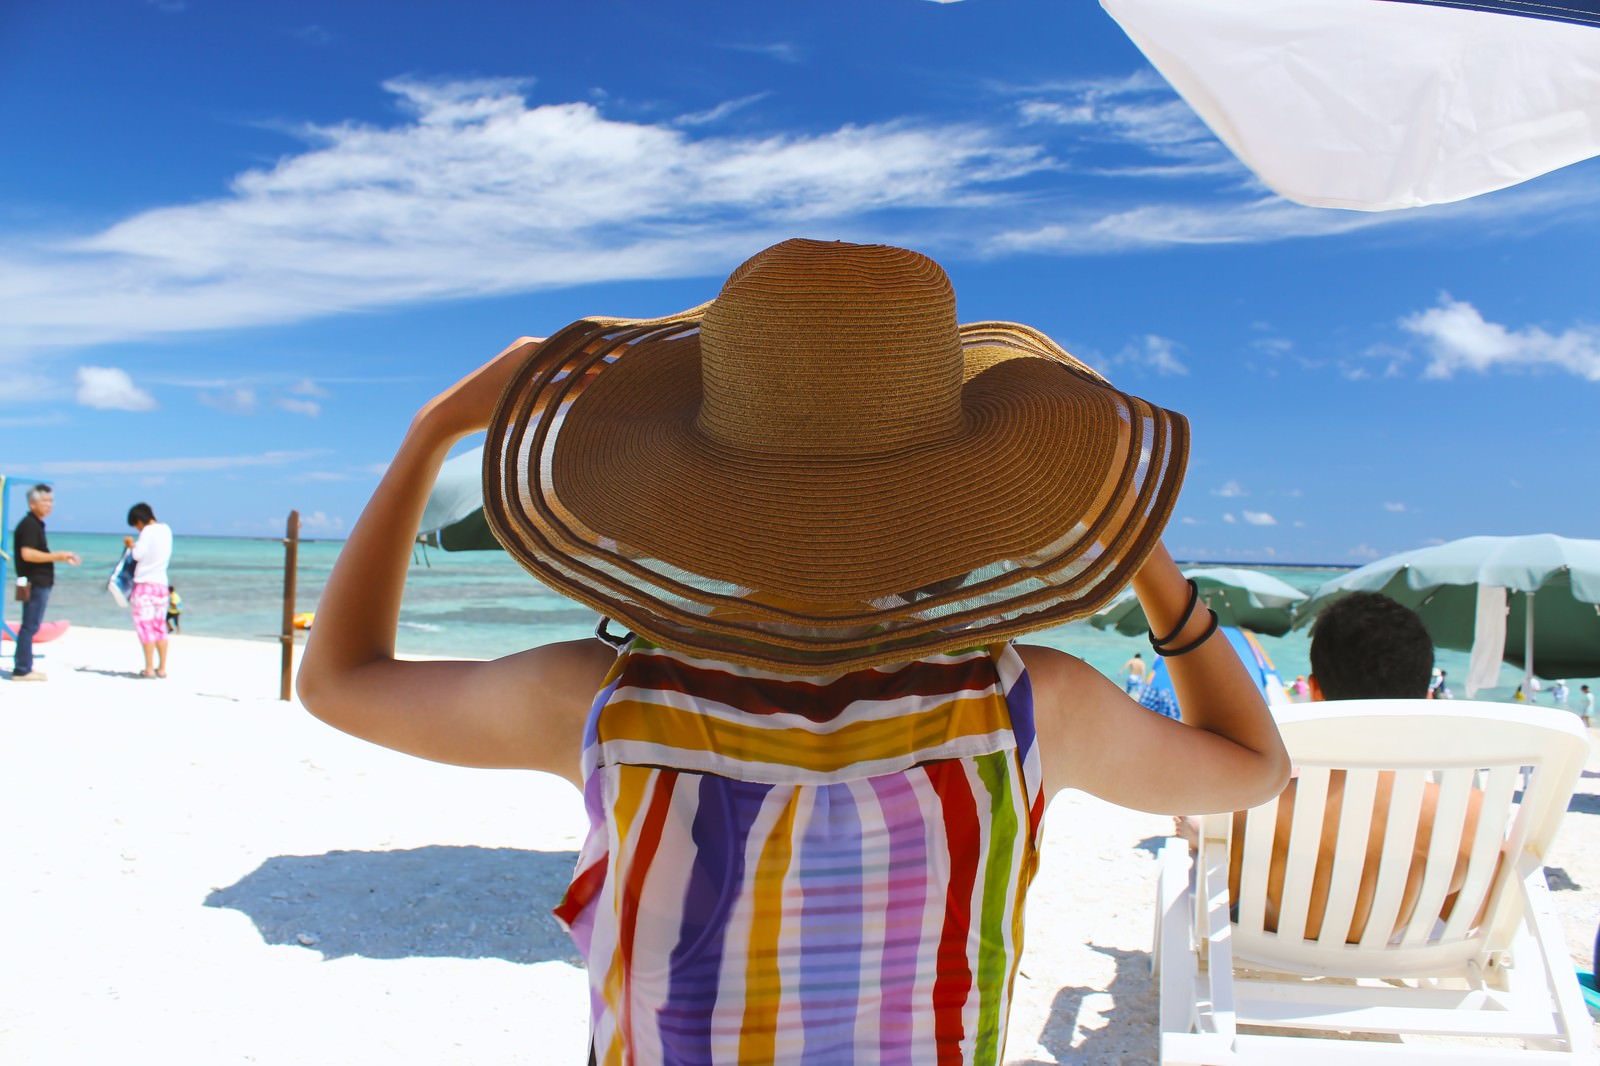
204, 536
1260, 564
1271, 565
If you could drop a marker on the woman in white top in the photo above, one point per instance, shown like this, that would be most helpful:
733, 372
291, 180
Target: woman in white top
151, 554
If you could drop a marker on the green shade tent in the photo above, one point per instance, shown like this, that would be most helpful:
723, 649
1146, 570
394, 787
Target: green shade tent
1558, 576
1245, 599
453, 519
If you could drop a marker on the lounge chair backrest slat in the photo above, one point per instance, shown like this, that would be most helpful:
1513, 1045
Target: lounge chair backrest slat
1305, 832
1349, 854
1260, 824
1394, 866
1449, 815
1498, 788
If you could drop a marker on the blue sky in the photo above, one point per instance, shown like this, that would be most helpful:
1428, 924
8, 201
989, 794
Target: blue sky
240, 244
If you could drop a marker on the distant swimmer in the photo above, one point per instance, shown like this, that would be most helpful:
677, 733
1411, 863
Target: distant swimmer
1134, 669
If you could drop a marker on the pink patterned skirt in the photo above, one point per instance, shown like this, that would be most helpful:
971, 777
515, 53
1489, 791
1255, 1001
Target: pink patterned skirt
149, 606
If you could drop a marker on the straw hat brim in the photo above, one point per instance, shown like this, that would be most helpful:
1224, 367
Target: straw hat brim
1037, 508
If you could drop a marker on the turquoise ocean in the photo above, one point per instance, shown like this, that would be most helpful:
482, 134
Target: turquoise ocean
481, 605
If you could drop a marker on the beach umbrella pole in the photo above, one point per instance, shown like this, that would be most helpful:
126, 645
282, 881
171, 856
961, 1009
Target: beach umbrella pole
1527, 658
291, 546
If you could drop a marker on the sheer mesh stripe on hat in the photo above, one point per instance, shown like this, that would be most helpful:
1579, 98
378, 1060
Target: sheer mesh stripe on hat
821, 469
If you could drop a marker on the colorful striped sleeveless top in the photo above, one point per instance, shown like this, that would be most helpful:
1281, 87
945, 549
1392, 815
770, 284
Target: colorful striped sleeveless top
818, 870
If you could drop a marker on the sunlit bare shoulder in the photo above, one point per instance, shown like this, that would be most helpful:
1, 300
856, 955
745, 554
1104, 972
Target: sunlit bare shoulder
1062, 684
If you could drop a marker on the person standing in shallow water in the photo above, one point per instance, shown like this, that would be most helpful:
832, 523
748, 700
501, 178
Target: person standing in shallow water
816, 776
1133, 669
152, 552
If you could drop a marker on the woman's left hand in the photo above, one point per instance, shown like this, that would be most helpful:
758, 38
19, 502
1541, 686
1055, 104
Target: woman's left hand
466, 406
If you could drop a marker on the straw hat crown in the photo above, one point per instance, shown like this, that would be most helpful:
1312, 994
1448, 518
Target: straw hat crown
823, 469
826, 349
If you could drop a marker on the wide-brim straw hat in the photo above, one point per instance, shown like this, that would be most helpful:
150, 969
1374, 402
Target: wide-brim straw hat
821, 469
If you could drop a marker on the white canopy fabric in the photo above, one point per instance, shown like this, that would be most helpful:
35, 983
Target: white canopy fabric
1488, 640
457, 492
1381, 104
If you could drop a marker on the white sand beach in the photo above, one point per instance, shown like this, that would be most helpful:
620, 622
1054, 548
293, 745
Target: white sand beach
196, 872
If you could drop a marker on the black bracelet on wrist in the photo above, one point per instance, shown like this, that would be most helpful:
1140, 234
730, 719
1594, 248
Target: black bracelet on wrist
1188, 612
1168, 653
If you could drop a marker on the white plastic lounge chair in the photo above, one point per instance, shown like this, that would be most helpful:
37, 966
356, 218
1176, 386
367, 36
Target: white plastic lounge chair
1507, 976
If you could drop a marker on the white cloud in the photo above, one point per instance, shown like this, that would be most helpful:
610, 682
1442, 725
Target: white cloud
1259, 518
1394, 507
1160, 225
1225, 218
177, 465
1230, 489
1157, 353
479, 194
474, 192
1228, 518
236, 401
1458, 338
307, 387
1188, 521
720, 112
319, 523
309, 408
24, 421
781, 51
1363, 551
109, 389
1140, 111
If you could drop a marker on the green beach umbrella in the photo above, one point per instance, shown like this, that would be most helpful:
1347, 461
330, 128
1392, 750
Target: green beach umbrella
1558, 576
1245, 599
453, 518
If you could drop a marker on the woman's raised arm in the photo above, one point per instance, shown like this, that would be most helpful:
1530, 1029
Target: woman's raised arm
525, 710
1226, 753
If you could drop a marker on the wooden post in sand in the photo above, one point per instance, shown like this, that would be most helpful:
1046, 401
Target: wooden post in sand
291, 551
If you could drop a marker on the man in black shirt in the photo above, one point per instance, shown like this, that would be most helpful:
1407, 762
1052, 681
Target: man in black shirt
36, 572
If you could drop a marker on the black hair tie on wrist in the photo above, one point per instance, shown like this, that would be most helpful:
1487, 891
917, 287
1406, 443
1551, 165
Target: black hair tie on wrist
1168, 653
1188, 612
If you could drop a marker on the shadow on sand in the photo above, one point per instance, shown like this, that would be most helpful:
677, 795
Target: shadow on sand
1129, 1033
134, 674
437, 902
1153, 845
